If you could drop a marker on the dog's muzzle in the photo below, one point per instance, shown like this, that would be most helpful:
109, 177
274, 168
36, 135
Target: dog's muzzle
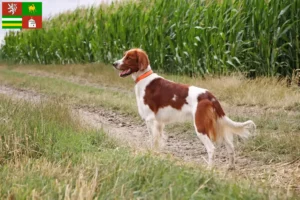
115, 64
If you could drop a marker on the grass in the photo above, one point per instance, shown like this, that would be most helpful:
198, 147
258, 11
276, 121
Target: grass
234, 90
275, 112
71, 91
182, 37
46, 154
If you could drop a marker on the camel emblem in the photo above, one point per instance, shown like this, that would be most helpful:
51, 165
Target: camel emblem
31, 8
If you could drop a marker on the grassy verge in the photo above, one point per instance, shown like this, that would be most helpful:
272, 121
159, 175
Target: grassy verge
276, 115
71, 92
234, 90
46, 154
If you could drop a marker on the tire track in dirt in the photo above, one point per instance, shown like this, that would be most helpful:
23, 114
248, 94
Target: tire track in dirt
128, 131
185, 147
123, 128
234, 109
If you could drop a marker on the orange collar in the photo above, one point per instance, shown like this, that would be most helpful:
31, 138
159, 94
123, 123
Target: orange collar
141, 77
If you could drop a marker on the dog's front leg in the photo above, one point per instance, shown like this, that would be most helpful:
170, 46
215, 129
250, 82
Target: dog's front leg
155, 130
149, 124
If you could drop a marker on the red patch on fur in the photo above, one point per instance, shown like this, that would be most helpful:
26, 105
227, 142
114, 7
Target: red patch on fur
208, 110
161, 93
135, 59
205, 119
216, 105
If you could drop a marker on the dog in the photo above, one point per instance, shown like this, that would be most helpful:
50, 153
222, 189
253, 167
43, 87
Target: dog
161, 101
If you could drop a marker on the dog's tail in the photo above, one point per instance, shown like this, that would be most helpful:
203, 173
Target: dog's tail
211, 120
242, 129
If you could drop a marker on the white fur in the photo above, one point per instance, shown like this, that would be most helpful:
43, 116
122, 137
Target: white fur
225, 127
119, 62
210, 148
174, 97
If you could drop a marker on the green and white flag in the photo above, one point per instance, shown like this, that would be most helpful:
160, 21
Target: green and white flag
9, 22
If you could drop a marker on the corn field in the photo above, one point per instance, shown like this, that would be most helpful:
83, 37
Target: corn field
180, 36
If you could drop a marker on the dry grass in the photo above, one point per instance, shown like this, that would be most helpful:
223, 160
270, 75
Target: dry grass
274, 107
235, 90
46, 154
276, 143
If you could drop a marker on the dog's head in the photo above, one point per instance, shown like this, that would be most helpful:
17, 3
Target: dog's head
134, 60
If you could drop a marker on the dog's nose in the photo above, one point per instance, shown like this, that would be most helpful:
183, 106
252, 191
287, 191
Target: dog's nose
115, 64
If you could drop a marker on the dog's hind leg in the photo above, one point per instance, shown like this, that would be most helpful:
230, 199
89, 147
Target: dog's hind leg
228, 141
205, 126
210, 148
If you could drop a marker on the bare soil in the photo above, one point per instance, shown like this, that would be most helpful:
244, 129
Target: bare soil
184, 147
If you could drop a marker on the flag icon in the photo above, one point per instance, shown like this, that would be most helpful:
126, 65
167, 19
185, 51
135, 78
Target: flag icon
32, 8
32, 22
21, 15
11, 22
11, 15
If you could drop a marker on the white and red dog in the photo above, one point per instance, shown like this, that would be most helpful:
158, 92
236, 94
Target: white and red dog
161, 101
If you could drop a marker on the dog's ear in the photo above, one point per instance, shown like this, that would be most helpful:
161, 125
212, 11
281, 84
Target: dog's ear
143, 60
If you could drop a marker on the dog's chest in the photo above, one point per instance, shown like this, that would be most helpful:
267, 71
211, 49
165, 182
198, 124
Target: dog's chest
142, 107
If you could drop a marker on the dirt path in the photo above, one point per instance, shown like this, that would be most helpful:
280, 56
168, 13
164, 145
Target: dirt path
234, 110
74, 79
124, 129
182, 146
